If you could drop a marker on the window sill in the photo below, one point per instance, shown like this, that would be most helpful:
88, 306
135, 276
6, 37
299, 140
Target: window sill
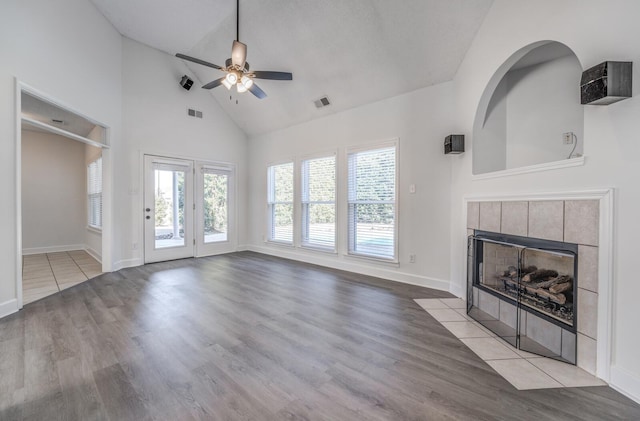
547, 166
94, 229
279, 243
318, 248
372, 259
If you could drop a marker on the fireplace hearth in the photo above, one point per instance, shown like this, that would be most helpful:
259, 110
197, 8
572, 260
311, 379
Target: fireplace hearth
525, 290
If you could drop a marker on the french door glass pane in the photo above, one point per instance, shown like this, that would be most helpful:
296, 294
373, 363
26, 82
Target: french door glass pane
216, 193
169, 208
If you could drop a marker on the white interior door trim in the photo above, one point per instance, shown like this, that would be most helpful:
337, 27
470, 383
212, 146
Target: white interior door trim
107, 178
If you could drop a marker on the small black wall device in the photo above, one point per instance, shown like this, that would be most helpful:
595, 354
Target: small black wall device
186, 82
606, 83
454, 143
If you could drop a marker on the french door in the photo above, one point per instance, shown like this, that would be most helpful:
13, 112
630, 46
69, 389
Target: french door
188, 209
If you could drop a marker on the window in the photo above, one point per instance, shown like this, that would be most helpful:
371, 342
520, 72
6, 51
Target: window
280, 201
372, 203
94, 194
319, 202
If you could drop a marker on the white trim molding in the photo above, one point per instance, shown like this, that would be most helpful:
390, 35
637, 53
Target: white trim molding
547, 166
8, 307
127, 263
378, 271
52, 249
625, 383
605, 197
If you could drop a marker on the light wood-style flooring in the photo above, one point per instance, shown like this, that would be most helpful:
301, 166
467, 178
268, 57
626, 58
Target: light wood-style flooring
245, 336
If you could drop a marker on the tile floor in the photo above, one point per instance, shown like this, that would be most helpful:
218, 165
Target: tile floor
522, 369
46, 274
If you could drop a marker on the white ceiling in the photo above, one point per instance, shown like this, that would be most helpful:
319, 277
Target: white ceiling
45, 112
354, 51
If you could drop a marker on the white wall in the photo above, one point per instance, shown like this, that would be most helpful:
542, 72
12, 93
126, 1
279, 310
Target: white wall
69, 51
155, 121
543, 103
53, 193
611, 146
420, 120
490, 153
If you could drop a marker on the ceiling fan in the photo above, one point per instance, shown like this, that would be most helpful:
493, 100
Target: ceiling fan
237, 68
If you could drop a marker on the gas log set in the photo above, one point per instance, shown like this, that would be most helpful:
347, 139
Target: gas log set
543, 289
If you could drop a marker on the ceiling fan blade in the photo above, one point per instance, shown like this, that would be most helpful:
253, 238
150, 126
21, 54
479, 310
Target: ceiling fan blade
238, 53
254, 89
197, 60
258, 74
214, 83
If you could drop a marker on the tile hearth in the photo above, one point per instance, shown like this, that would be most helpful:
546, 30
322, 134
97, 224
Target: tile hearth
522, 369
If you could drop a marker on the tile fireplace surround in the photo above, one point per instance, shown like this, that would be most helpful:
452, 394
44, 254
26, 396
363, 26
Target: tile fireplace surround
571, 221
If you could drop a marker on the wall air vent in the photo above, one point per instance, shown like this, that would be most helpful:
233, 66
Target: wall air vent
194, 113
322, 102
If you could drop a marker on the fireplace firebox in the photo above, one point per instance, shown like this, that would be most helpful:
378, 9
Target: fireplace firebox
525, 291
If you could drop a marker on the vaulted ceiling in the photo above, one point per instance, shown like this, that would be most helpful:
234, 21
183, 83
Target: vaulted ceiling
354, 51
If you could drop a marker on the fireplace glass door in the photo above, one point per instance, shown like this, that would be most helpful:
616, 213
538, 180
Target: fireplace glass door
523, 291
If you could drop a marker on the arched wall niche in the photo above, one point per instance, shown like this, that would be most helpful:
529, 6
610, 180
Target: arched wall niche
529, 104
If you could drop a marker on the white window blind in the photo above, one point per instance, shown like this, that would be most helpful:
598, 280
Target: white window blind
372, 203
280, 203
94, 194
319, 202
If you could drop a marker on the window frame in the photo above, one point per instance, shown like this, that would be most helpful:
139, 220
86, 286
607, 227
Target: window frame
349, 202
271, 202
305, 203
90, 195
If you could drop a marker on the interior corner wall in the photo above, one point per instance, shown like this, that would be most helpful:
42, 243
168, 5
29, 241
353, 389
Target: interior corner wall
70, 52
53, 193
155, 121
420, 120
611, 147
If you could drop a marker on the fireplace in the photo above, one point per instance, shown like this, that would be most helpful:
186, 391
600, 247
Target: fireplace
525, 291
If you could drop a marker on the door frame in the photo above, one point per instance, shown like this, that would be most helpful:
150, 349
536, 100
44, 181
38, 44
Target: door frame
188, 249
107, 180
232, 239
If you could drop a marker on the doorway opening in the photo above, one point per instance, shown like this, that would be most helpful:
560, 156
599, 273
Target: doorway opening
63, 196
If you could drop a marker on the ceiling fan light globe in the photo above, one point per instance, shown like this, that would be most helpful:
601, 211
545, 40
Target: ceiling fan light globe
232, 78
241, 88
247, 82
226, 83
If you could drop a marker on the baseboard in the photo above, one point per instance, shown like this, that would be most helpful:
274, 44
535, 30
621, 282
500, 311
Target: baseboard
458, 291
52, 249
8, 307
626, 383
93, 253
127, 263
243, 247
370, 270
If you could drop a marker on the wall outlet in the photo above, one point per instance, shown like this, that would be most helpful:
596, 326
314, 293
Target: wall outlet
412, 188
134, 246
567, 138
412, 258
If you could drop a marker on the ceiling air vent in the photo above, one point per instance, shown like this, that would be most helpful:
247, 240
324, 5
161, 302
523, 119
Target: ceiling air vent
194, 113
322, 102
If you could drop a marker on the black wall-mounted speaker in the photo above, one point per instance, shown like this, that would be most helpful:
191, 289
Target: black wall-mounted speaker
186, 82
606, 83
454, 144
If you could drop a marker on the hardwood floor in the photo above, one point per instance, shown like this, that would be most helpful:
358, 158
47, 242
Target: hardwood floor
246, 336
